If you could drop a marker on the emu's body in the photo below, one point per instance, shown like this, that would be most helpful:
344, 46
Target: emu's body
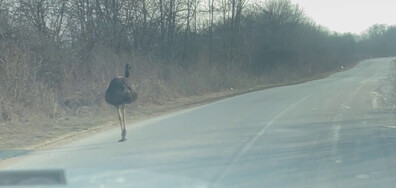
119, 93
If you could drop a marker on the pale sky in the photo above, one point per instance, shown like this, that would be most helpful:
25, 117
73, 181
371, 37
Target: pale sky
352, 16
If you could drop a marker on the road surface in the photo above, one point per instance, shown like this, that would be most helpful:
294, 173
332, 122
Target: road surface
331, 132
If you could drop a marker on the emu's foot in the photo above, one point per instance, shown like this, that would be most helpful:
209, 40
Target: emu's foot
123, 135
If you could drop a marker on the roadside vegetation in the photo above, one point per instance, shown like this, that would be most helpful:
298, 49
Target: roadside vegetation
58, 56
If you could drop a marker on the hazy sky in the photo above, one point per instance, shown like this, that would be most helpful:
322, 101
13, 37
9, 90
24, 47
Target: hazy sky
349, 15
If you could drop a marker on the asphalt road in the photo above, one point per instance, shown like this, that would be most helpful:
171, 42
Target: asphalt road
331, 132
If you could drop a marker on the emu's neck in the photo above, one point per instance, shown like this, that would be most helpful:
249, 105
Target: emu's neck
126, 73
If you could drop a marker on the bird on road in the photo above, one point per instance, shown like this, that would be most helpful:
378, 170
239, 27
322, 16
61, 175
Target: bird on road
119, 93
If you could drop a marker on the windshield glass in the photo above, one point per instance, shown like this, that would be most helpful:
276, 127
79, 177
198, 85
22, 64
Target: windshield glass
194, 93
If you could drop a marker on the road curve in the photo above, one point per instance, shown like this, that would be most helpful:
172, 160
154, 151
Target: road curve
331, 132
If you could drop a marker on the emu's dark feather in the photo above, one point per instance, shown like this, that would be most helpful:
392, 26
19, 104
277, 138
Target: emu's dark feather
120, 92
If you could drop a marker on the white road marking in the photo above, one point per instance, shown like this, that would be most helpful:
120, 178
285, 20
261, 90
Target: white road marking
120, 180
262, 131
345, 106
374, 101
362, 176
248, 145
388, 126
360, 87
336, 133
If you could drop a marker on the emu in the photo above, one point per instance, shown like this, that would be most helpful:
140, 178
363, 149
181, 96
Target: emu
119, 93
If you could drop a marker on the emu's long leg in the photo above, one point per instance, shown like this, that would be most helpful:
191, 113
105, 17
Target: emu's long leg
123, 115
119, 116
123, 134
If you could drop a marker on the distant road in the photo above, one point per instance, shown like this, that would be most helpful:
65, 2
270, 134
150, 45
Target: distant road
331, 133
